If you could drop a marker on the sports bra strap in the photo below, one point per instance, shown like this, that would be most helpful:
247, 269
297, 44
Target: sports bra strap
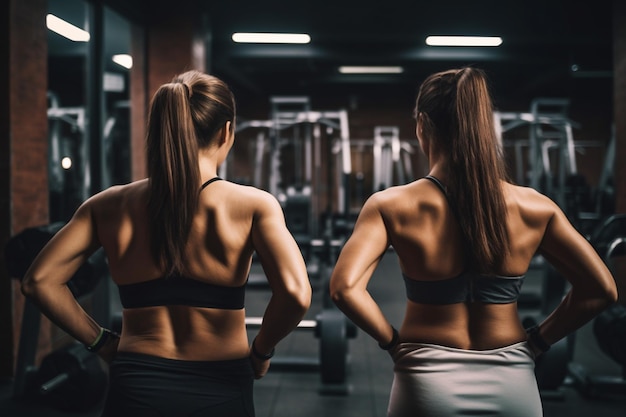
438, 183
444, 190
209, 182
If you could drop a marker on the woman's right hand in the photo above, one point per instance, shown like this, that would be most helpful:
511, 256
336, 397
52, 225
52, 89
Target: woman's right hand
260, 366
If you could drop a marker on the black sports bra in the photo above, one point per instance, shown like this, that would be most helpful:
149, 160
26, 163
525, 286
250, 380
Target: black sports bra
180, 290
466, 287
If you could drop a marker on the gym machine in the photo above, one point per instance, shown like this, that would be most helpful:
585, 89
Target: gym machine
387, 156
548, 128
391, 160
69, 378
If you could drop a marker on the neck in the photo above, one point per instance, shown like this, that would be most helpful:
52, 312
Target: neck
208, 165
437, 166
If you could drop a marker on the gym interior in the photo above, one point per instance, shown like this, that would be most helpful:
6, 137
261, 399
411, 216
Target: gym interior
322, 124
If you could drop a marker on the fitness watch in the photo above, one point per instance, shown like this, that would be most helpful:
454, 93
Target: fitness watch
535, 338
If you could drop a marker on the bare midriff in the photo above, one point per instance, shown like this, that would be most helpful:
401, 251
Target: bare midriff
185, 333
470, 326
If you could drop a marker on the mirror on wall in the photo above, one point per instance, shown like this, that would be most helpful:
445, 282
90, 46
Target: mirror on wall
118, 63
83, 160
68, 155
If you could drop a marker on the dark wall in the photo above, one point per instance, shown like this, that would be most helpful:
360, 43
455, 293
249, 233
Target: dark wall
23, 141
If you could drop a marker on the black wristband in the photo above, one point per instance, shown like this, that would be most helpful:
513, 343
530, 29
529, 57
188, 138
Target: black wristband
100, 340
535, 338
394, 340
261, 356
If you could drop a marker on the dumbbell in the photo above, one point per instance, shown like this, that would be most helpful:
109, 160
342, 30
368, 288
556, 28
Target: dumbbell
70, 379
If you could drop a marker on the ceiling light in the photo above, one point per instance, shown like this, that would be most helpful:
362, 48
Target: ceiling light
124, 60
371, 70
271, 38
66, 162
463, 41
66, 29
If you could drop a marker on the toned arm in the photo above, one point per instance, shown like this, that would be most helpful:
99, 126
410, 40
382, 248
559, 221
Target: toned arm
286, 273
592, 285
46, 280
354, 268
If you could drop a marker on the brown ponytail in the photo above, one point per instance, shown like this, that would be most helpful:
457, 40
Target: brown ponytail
459, 109
185, 116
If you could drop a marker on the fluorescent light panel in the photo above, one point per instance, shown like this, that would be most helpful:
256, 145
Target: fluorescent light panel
124, 60
370, 70
242, 37
66, 29
463, 41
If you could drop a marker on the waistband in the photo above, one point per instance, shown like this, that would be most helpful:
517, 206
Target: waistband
514, 346
228, 365
519, 353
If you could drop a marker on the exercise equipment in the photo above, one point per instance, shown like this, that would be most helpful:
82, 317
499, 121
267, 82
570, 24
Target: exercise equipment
69, 378
387, 157
549, 129
586, 205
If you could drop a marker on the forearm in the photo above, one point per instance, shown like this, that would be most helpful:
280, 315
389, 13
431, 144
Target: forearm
360, 307
282, 315
58, 304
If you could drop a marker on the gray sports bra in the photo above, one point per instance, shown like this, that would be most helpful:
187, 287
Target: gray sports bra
466, 287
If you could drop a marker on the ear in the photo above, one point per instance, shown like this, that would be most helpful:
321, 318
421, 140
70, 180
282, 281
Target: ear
419, 126
225, 133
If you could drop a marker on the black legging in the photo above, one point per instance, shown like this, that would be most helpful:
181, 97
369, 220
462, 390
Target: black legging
149, 386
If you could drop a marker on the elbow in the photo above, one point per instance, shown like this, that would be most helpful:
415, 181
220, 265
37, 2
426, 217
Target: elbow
611, 295
340, 294
301, 296
608, 291
28, 286
303, 300
598, 298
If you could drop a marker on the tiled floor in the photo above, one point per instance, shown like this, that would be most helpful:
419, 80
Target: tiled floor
291, 393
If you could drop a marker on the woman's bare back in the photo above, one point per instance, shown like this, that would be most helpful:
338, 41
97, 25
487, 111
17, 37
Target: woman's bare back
427, 239
219, 252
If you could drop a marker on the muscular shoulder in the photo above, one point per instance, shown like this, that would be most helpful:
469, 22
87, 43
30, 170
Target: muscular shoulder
532, 206
247, 199
118, 194
413, 199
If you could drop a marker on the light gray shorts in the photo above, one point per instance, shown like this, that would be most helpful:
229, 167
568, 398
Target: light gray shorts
434, 380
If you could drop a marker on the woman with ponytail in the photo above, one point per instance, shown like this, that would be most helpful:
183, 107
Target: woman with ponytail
179, 246
465, 237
